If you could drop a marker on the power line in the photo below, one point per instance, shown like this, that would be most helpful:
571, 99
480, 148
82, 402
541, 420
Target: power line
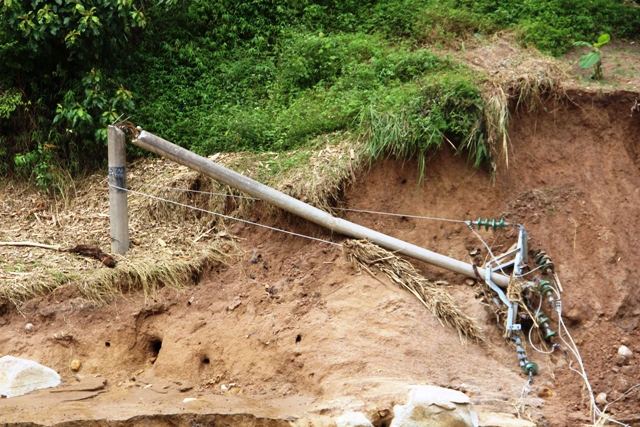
224, 216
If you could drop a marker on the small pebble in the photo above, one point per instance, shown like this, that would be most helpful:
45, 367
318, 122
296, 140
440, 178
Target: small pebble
601, 399
75, 365
624, 351
29, 328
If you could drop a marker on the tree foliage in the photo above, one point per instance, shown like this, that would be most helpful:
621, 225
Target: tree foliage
259, 74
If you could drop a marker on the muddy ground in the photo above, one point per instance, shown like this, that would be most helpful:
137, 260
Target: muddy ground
300, 335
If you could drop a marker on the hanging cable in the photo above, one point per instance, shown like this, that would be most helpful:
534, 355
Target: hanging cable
162, 187
224, 216
401, 215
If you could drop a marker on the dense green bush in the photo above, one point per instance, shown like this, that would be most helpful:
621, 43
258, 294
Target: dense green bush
553, 25
258, 75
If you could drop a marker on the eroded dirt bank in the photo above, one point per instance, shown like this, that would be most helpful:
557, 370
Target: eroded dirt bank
301, 334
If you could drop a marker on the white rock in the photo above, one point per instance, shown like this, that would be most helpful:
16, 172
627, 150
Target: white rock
224, 387
353, 419
20, 376
624, 351
29, 328
435, 407
601, 399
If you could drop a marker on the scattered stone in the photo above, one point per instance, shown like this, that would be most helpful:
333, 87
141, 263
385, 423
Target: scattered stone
189, 399
601, 399
624, 351
236, 302
224, 388
620, 360
442, 283
185, 387
75, 364
29, 328
429, 405
353, 419
544, 392
470, 282
20, 376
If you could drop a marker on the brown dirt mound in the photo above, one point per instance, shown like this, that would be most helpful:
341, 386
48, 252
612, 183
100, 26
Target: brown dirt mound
300, 334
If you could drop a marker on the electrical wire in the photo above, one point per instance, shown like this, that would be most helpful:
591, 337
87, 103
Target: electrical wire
401, 215
198, 191
337, 209
224, 216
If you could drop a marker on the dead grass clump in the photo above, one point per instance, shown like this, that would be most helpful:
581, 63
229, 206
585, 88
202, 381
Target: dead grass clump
170, 245
163, 253
137, 273
525, 82
370, 257
513, 78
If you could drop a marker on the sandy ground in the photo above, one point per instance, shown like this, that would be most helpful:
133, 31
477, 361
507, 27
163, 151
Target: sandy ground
302, 335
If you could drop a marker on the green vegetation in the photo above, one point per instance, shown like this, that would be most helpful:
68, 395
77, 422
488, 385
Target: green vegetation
592, 59
219, 75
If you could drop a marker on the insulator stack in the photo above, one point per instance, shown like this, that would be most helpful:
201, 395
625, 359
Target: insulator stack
543, 322
543, 261
494, 224
529, 368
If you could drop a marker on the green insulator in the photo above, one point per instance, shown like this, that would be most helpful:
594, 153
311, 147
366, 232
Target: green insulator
541, 258
536, 252
547, 266
549, 335
531, 368
545, 290
543, 320
540, 314
493, 223
542, 284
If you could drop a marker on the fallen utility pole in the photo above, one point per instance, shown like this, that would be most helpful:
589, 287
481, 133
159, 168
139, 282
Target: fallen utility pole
205, 166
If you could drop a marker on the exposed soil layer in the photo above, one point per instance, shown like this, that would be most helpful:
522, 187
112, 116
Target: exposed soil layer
300, 334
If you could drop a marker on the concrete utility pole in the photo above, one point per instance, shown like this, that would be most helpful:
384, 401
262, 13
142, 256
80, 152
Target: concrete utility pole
226, 176
118, 210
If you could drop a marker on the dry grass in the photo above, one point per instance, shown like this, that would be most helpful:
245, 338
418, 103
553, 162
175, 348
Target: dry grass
514, 78
170, 253
373, 258
171, 245
315, 176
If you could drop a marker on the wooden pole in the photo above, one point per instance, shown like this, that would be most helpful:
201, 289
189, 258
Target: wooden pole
187, 158
118, 210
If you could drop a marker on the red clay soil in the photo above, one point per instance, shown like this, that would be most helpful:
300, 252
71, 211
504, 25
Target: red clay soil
302, 335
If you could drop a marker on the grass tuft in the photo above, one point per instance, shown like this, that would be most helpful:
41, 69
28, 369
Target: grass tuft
368, 256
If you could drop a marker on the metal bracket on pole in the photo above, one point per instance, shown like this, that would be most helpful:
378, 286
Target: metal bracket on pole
518, 263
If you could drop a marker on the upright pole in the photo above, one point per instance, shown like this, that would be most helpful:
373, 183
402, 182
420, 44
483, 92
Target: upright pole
184, 157
118, 210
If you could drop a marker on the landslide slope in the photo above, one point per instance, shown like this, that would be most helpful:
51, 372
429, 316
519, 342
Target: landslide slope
301, 334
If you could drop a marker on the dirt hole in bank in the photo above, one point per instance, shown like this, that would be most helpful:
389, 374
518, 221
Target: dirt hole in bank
155, 346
